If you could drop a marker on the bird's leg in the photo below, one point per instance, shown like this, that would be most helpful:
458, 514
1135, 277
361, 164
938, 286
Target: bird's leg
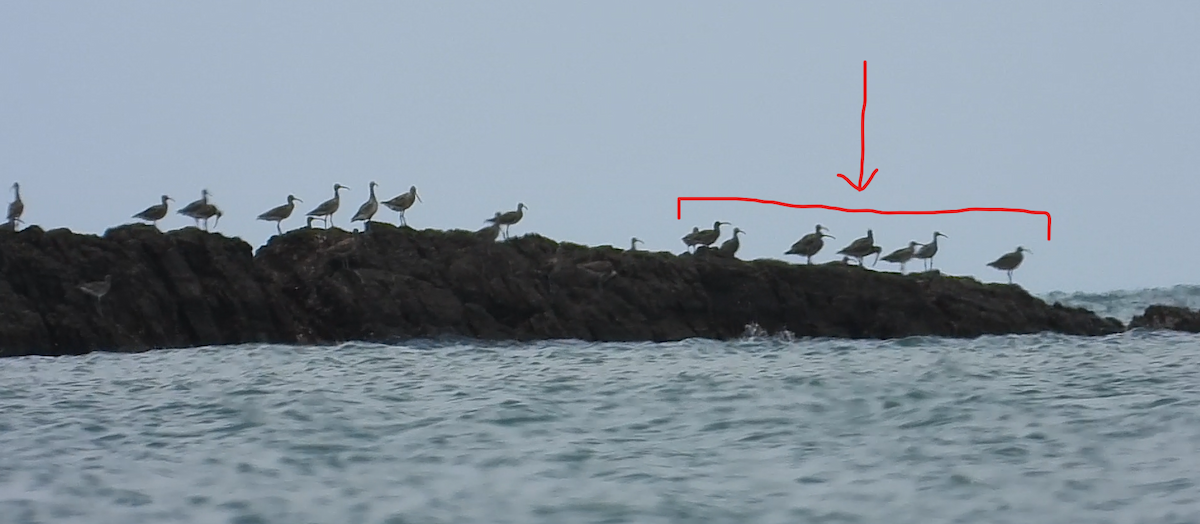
278, 228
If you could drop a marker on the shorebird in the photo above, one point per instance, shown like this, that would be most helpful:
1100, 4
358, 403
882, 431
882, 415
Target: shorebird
10, 225
154, 213
280, 213
368, 209
401, 203
634, 242
197, 214
690, 239
875, 250
862, 247
601, 270
708, 236
489, 233
510, 218
1010, 261
97, 289
809, 244
192, 207
206, 212
17, 207
729, 247
903, 255
327, 208
928, 250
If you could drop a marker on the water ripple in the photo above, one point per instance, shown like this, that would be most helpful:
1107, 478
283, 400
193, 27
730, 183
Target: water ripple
1042, 428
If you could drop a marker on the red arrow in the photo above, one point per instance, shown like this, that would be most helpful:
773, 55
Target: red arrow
863, 126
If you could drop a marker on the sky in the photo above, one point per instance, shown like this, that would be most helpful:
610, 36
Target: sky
599, 115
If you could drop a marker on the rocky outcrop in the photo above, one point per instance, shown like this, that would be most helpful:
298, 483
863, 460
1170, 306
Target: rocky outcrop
1168, 317
311, 286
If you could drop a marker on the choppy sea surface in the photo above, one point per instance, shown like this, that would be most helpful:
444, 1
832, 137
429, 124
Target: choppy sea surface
1020, 429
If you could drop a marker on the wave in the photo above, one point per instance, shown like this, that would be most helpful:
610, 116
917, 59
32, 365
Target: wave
1125, 304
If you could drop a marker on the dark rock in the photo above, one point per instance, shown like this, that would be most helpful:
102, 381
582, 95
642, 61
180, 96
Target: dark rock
188, 288
1168, 317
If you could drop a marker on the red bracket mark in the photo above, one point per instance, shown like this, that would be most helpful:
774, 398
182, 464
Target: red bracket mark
679, 209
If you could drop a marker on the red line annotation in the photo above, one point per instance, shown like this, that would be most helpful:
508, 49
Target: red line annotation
679, 209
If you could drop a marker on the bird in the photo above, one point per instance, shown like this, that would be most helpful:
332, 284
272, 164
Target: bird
861, 248
401, 203
875, 250
861, 243
190, 209
601, 270
809, 244
690, 239
154, 213
206, 212
280, 213
928, 250
634, 242
10, 225
97, 289
1010, 261
368, 209
17, 207
310, 221
198, 213
708, 236
511, 217
327, 208
489, 233
903, 255
729, 247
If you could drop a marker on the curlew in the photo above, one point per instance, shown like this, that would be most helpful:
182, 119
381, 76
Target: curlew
1010, 261
280, 213
690, 239
601, 270
511, 217
401, 203
708, 236
927, 251
17, 207
368, 209
860, 244
97, 289
327, 208
192, 207
10, 225
810, 244
729, 247
206, 212
862, 248
903, 255
489, 233
154, 213
633, 242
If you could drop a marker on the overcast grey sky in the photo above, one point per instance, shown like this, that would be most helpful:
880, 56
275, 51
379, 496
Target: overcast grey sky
598, 115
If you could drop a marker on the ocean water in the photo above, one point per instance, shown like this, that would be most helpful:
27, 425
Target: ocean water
1125, 304
1019, 429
